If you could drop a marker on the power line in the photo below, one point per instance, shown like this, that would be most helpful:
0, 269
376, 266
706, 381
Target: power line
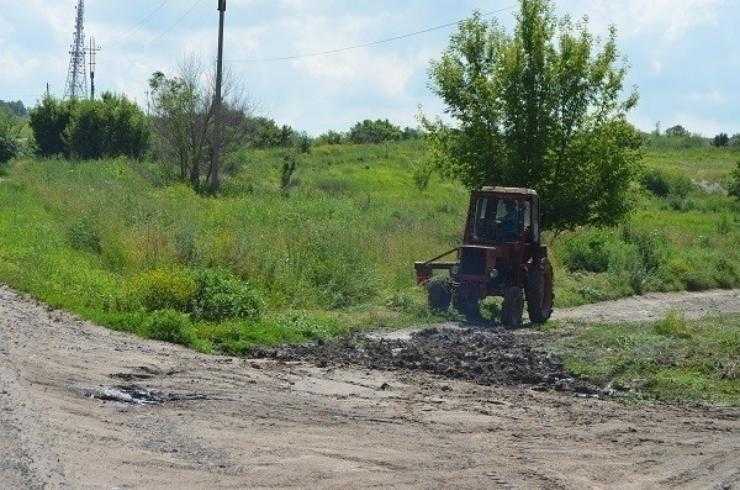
177, 22
367, 44
168, 29
141, 22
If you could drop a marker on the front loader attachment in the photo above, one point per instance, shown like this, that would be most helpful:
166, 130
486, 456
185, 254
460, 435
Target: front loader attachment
425, 270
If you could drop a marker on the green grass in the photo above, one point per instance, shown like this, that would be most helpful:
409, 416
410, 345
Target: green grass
670, 360
333, 254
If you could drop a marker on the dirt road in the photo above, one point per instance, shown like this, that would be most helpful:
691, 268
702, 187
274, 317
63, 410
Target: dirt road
82, 406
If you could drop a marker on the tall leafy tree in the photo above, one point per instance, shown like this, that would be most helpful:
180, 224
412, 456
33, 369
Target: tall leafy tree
542, 107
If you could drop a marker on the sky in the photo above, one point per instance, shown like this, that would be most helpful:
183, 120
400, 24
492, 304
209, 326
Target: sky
684, 55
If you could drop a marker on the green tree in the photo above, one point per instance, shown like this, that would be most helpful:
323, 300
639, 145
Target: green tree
48, 122
677, 130
377, 131
87, 129
9, 133
721, 140
540, 108
183, 118
111, 126
14, 107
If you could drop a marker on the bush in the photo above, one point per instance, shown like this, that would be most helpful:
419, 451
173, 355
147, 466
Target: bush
168, 326
421, 173
734, 188
161, 289
377, 131
673, 325
330, 138
83, 235
221, 295
48, 122
109, 127
303, 143
8, 137
587, 251
675, 187
677, 130
721, 140
287, 171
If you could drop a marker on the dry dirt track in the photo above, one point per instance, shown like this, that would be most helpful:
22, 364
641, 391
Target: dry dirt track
241, 423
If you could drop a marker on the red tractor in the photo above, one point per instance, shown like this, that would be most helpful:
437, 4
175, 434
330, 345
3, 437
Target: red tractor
501, 255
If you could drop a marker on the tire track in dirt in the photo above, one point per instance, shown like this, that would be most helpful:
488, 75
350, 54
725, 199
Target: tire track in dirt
272, 423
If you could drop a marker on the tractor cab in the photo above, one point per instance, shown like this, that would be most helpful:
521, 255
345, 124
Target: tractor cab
503, 215
500, 255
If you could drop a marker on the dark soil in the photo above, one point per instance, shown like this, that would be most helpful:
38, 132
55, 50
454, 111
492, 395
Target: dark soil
487, 357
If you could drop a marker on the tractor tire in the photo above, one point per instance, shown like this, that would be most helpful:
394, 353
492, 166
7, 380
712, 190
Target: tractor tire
439, 294
540, 292
468, 307
513, 308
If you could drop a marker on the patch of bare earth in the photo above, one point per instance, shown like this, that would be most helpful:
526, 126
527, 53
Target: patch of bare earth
83, 406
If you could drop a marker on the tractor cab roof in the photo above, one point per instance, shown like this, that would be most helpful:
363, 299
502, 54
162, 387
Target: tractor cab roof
521, 191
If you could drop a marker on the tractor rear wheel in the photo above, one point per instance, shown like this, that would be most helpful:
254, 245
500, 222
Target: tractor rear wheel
439, 294
513, 307
540, 291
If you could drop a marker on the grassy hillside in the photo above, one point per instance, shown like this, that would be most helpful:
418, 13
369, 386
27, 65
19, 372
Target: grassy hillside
112, 242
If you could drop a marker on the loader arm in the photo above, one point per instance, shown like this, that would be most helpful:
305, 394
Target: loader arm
425, 270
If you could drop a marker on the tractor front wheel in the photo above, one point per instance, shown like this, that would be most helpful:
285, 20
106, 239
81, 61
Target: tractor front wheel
540, 292
468, 306
513, 307
439, 294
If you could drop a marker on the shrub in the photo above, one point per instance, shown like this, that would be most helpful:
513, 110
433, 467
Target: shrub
8, 137
673, 325
652, 246
587, 251
677, 130
675, 187
109, 127
83, 235
221, 295
161, 289
377, 131
168, 326
734, 187
421, 173
721, 140
303, 143
48, 122
331, 138
287, 170
656, 182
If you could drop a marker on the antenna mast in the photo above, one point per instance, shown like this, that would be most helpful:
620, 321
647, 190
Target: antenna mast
93, 51
76, 86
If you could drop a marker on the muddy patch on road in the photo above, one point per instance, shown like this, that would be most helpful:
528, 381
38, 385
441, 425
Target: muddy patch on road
487, 357
136, 395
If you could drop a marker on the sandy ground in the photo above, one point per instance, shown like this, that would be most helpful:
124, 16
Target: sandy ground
244, 423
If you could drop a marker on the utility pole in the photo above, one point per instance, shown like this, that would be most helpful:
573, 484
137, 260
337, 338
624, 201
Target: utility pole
48, 94
215, 183
93, 49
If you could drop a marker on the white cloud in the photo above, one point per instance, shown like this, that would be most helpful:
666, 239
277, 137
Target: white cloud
390, 72
668, 20
712, 97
